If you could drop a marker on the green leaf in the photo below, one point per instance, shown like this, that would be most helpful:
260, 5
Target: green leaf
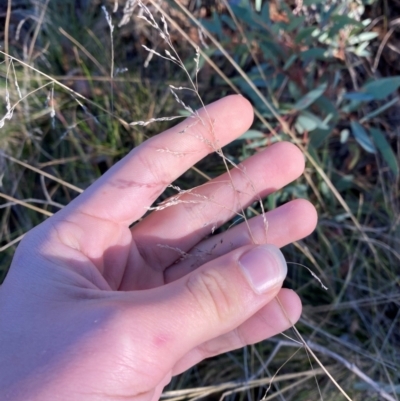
359, 96
382, 88
326, 15
361, 136
217, 24
342, 184
328, 108
361, 50
344, 20
295, 23
243, 13
351, 106
252, 134
379, 110
344, 135
270, 52
229, 21
312, 2
214, 25
363, 37
290, 62
265, 13
294, 91
309, 121
317, 53
305, 33
385, 149
310, 98
318, 137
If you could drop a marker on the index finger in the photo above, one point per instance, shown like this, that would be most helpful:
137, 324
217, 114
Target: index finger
124, 192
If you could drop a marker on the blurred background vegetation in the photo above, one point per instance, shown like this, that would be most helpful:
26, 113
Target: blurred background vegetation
323, 74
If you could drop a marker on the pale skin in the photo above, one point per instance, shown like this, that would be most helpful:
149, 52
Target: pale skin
94, 308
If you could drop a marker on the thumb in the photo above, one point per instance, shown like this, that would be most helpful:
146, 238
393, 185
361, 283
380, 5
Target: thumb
215, 299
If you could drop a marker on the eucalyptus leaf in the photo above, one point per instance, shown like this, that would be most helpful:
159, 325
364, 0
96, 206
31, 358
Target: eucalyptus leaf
344, 135
312, 2
327, 107
353, 105
361, 50
379, 110
382, 88
229, 21
305, 33
319, 136
218, 25
252, 134
317, 53
243, 14
346, 20
294, 91
270, 55
265, 13
363, 37
307, 123
247, 15
213, 26
310, 121
359, 96
295, 23
290, 62
310, 98
340, 22
361, 136
385, 149
326, 15
257, 143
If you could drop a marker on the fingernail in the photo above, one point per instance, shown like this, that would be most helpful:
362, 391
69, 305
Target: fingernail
264, 267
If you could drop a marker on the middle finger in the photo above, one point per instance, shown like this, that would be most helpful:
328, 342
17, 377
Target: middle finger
165, 235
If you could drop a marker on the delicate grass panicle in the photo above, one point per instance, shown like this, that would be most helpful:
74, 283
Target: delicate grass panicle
295, 63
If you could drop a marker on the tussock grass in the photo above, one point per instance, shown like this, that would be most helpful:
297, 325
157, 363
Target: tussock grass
76, 111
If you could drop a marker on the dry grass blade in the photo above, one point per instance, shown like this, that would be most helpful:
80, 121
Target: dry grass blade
152, 120
291, 386
177, 395
300, 337
37, 30
348, 365
353, 368
43, 173
11, 243
67, 88
7, 28
25, 204
84, 50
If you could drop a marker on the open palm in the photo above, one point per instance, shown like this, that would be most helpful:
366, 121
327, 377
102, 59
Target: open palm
95, 308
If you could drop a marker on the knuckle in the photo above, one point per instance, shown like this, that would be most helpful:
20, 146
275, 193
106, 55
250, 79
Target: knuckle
212, 294
224, 343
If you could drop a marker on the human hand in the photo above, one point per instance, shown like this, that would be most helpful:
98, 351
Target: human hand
95, 310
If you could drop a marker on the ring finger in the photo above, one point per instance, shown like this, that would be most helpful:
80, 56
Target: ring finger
286, 224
